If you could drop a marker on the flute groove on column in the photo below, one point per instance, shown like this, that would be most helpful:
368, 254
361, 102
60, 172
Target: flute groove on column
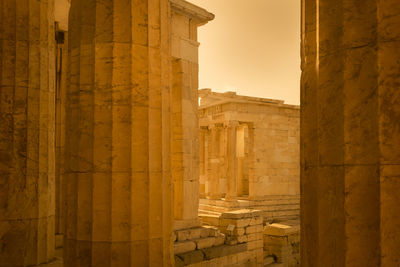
118, 128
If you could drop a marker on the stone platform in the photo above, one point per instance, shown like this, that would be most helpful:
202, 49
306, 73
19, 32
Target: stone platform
274, 208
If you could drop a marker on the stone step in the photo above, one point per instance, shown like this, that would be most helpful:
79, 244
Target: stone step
209, 212
251, 203
213, 208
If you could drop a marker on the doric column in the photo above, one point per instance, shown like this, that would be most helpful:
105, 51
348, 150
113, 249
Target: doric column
119, 192
232, 160
350, 134
26, 132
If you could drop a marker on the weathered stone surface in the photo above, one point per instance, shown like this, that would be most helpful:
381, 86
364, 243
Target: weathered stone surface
220, 251
277, 229
236, 231
231, 240
186, 224
348, 133
236, 222
191, 257
254, 229
219, 240
118, 133
204, 242
241, 238
189, 234
210, 231
184, 246
255, 236
256, 220
255, 244
276, 240
27, 122
268, 260
240, 214
210, 219
179, 262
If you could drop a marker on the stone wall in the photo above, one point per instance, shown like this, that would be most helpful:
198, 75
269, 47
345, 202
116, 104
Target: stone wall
282, 245
234, 239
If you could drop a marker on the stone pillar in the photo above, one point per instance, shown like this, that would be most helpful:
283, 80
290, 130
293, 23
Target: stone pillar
203, 161
185, 147
119, 192
350, 134
251, 159
185, 19
232, 161
223, 161
26, 132
213, 165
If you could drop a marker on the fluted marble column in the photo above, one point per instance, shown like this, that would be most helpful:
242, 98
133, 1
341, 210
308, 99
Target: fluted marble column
119, 193
350, 133
26, 132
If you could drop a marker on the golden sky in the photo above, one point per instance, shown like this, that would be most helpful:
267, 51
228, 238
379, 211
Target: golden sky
252, 47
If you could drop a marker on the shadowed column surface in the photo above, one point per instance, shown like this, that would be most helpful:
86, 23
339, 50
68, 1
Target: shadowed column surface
119, 202
26, 132
350, 134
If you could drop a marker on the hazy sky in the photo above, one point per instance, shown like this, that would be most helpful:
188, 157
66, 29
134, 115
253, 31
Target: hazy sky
252, 47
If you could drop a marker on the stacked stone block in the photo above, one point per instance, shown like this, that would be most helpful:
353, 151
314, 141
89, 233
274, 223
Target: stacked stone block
282, 243
193, 245
235, 239
244, 226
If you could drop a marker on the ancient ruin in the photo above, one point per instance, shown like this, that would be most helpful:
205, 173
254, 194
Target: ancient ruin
249, 155
105, 154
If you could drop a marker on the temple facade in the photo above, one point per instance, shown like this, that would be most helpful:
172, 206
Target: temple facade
249, 155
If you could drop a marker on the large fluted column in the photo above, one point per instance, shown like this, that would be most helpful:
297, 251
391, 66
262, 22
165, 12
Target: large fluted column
119, 210
350, 133
26, 132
